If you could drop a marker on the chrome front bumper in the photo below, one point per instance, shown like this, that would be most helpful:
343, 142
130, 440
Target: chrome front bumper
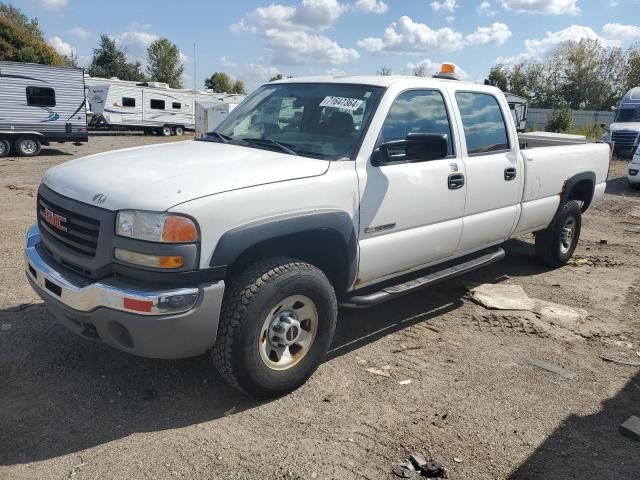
162, 323
84, 296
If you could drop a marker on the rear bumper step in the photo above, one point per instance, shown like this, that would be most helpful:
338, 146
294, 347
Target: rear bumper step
394, 291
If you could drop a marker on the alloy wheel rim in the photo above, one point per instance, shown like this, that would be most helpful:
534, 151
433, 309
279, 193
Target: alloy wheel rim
288, 332
28, 146
567, 235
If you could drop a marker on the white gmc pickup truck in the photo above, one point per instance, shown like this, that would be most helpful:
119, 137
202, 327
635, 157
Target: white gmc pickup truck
313, 193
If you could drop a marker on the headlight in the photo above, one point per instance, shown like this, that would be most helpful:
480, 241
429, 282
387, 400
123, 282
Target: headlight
156, 227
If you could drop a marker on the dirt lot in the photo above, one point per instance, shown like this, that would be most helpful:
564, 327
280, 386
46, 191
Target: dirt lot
74, 409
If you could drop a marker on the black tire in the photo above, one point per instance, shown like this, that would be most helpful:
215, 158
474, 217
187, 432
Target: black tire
27, 146
5, 147
248, 303
179, 131
166, 131
553, 247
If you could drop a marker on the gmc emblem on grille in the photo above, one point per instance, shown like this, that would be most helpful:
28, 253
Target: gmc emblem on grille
55, 220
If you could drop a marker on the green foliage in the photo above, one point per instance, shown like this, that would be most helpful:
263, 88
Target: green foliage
220, 82
21, 20
109, 61
277, 77
592, 132
164, 63
498, 76
20, 44
561, 118
238, 87
586, 75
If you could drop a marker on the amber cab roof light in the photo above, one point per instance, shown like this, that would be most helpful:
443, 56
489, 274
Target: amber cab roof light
448, 71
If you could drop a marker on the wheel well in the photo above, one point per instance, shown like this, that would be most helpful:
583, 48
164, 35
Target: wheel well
582, 191
323, 248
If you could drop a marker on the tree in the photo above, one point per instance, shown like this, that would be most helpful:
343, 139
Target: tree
109, 61
20, 44
71, 60
561, 118
238, 87
384, 71
164, 63
219, 82
21, 20
632, 70
420, 71
498, 76
277, 77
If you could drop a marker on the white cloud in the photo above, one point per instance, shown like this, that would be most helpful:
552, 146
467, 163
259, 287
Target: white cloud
135, 44
81, 33
307, 15
298, 47
451, 19
407, 36
371, 6
625, 33
497, 33
544, 7
445, 5
261, 73
485, 9
62, 47
537, 49
52, 4
227, 62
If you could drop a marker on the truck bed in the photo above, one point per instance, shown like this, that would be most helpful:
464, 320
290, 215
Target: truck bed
549, 139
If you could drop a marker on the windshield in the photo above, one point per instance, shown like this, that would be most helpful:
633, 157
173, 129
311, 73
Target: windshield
628, 115
309, 119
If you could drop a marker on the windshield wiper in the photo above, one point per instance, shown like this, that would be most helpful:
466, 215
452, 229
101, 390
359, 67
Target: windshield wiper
270, 142
219, 136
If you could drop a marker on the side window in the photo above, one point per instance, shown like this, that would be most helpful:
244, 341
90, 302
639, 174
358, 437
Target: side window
157, 104
417, 111
41, 97
128, 102
484, 125
176, 105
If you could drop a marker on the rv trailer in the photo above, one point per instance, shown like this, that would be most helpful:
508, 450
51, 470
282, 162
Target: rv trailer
40, 104
210, 112
152, 107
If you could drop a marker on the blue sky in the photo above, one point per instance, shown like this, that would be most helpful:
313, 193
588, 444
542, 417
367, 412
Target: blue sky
253, 40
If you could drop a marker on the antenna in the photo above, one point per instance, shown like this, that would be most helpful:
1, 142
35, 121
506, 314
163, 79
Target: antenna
194, 66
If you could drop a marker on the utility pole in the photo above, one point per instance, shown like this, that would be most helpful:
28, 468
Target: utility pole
194, 66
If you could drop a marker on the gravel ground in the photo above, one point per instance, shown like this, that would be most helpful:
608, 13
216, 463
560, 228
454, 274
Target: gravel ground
70, 408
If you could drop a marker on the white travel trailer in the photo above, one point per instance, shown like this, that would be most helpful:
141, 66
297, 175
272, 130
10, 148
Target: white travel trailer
40, 104
210, 112
147, 106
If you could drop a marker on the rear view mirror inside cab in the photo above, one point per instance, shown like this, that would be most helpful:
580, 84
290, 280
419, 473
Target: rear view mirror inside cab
416, 147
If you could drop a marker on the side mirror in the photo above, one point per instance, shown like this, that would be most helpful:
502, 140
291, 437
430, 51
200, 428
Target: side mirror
417, 147
604, 126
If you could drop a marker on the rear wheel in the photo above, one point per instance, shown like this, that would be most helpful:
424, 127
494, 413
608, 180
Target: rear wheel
5, 147
28, 146
277, 322
166, 131
555, 245
179, 131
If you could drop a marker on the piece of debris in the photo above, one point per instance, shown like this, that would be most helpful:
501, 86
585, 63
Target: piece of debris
579, 262
403, 470
603, 242
631, 428
404, 382
555, 311
149, 394
607, 358
433, 470
501, 297
550, 367
6, 326
418, 460
409, 347
377, 371
457, 460
360, 361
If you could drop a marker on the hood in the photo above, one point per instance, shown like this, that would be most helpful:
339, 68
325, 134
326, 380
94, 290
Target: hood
635, 126
157, 177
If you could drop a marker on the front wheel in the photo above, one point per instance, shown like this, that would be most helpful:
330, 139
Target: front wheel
277, 322
555, 245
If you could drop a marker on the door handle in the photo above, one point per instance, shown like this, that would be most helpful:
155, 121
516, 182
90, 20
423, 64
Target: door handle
509, 173
456, 181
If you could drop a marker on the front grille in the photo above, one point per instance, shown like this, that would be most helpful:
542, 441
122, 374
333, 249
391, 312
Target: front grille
624, 138
81, 233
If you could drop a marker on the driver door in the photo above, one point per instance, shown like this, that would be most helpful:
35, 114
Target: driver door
411, 213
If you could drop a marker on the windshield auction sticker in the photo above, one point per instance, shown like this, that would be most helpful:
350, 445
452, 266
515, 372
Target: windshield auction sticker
341, 102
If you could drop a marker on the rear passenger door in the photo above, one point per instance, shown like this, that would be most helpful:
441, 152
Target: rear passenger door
494, 171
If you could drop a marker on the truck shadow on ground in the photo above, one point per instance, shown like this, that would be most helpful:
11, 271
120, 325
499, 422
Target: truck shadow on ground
61, 394
620, 186
590, 447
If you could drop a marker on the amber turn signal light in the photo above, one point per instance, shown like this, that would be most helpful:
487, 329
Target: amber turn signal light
178, 229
